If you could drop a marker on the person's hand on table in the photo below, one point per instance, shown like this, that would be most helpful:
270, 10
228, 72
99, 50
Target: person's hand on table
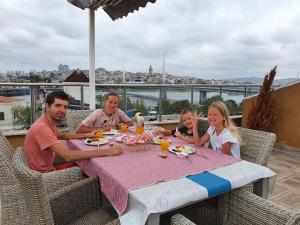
108, 128
92, 135
165, 132
113, 150
177, 134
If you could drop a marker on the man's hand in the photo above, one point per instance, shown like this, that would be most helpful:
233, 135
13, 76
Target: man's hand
108, 128
113, 150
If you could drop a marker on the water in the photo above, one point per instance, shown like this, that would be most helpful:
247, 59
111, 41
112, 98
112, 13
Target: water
172, 95
181, 95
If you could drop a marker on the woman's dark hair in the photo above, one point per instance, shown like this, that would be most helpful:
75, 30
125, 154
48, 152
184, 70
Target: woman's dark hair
110, 94
56, 94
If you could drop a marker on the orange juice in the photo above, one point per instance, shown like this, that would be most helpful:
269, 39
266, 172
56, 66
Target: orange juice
99, 134
139, 130
164, 145
123, 127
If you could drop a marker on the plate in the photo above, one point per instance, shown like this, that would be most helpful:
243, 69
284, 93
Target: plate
103, 141
110, 132
156, 140
181, 149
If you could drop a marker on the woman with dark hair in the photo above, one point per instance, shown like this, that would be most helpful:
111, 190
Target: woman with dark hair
107, 118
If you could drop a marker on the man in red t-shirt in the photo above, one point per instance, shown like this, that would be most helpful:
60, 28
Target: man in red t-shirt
42, 140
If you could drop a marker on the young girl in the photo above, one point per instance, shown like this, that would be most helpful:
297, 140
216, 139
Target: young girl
222, 133
185, 132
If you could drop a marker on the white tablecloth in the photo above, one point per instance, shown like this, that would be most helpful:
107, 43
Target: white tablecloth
169, 195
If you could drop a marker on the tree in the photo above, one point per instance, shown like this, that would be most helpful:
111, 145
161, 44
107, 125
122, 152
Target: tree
208, 102
174, 107
21, 116
262, 113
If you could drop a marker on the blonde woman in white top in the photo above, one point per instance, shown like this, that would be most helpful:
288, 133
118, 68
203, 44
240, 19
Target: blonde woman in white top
222, 133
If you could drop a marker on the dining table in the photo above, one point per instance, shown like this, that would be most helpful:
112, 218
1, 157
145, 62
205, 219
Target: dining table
141, 185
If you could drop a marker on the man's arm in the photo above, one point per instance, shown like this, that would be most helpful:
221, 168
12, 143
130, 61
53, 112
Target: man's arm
72, 135
83, 129
73, 155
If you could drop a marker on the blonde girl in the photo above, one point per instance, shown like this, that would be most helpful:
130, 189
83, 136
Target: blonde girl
222, 132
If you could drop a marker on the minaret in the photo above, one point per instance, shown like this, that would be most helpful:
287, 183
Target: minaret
164, 92
124, 78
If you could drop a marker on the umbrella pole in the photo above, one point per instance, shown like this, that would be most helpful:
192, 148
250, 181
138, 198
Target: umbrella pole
92, 59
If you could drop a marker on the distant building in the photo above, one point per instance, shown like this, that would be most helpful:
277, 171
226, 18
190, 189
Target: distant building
6, 105
150, 71
77, 76
63, 68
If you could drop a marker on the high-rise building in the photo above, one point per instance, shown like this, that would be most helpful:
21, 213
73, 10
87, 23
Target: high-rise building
63, 68
150, 71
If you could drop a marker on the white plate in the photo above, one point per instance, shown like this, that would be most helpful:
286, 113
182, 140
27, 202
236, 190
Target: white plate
185, 150
111, 132
156, 140
119, 139
95, 143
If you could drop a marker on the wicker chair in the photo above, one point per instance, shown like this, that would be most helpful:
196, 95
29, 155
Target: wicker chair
52, 180
244, 207
11, 198
76, 204
74, 117
256, 145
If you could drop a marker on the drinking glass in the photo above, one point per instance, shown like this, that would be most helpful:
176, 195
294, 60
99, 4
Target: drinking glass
99, 134
123, 127
164, 147
139, 130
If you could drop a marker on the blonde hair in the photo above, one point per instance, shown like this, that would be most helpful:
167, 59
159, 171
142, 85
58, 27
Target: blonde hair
227, 122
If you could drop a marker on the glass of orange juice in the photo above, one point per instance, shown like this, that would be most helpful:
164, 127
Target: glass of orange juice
139, 130
123, 127
164, 147
99, 134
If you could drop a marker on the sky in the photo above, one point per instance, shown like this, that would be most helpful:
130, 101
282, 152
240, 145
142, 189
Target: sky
201, 38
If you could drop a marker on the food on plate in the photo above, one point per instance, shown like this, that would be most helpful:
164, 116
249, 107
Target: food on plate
182, 149
96, 142
179, 148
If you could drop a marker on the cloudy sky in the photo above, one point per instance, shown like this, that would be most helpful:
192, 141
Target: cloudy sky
203, 38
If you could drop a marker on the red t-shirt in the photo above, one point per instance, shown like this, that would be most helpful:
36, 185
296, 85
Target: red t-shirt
39, 138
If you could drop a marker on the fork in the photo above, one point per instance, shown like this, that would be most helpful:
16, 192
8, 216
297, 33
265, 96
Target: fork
188, 158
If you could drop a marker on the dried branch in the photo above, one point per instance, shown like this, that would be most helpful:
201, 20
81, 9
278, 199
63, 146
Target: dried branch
262, 113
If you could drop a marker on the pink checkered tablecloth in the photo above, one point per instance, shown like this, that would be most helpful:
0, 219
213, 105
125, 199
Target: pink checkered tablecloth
131, 170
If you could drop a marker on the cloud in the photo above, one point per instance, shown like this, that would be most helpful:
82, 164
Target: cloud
208, 39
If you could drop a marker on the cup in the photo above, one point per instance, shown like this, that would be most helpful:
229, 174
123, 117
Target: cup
123, 127
99, 134
164, 147
139, 130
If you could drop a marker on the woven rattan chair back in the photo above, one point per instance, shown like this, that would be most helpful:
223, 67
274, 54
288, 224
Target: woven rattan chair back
74, 117
34, 192
256, 146
13, 208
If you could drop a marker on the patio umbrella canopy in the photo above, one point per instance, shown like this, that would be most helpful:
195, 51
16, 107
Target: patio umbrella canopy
116, 9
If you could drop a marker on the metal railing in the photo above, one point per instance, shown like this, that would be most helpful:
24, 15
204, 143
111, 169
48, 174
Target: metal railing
245, 89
